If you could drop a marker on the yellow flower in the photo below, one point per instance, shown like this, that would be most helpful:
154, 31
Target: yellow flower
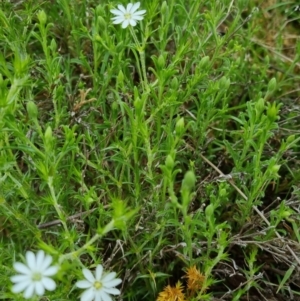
172, 293
194, 279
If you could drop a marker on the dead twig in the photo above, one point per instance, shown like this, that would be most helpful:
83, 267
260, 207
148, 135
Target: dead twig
58, 221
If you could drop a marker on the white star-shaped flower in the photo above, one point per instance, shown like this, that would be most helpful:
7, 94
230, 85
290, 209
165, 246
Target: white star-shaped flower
129, 15
100, 286
34, 275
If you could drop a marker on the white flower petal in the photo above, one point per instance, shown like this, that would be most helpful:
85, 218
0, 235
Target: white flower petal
118, 21
99, 271
122, 8
51, 271
112, 283
98, 297
88, 295
45, 264
40, 257
128, 8
91, 293
132, 22
49, 283
138, 18
111, 291
88, 275
109, 277
105, 296
127, 16
30, 260
19, 278
22, 268
19, 287
137, 13
37, 264
118, 17
116, 12
28, 293
84, 284
39, 288
125, 23
134, 7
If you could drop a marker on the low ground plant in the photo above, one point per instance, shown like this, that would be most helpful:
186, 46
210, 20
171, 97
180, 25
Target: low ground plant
149, 150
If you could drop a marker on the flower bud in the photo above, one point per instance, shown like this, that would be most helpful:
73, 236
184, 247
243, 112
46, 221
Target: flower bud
272, 85
42, 17
275, 168
101, 24
204, 62
120, 79
189, 180
222, 192
100, 10
290, 139
48, 138
260, 106
267, 60
224, 83
161, 62
169, 162
272, 111
174, 83
97, 38
138, 104
114, 106
53, 45
285, 213
179, 128
164, 9
32, 110
209, 211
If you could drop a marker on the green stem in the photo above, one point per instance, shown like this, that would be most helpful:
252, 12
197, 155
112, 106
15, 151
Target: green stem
75, 254
141, 51
59, 211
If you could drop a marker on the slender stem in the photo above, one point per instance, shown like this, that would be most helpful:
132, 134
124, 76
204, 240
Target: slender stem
59, 211
142, 56
141, 51
134, 37
75, 254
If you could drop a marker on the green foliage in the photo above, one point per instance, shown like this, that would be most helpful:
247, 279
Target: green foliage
104, 131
